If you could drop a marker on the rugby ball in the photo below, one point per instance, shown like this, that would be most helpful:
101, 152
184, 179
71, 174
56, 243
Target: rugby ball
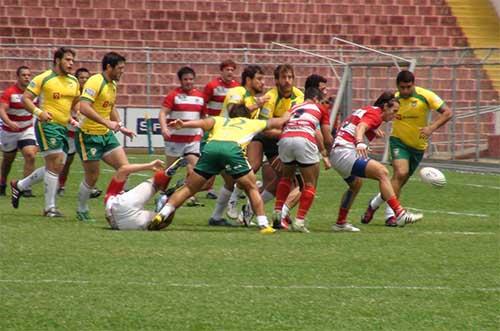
432, 176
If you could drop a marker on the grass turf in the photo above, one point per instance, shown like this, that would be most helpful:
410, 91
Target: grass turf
441, 273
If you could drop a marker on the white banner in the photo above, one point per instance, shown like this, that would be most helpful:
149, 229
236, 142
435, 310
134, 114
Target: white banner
135, 119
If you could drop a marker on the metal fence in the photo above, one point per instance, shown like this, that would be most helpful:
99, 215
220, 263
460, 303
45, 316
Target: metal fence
459, 76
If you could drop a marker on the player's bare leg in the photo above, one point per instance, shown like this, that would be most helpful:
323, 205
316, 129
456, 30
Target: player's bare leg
64, 173
222, 201
310, 175
355, 184
29, 154
192, 186
254, 156
248, 182
7, 160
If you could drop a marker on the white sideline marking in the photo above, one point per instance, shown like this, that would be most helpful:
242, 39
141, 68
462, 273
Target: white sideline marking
416, 179
483, 186
462, 233
284, 287
449, 212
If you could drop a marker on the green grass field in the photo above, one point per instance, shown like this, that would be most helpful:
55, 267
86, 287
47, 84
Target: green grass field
440, 274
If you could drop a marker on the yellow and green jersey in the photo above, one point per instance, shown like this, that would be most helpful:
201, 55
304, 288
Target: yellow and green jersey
238, 96
56, 94
102, 94
239, 130
412, 116
279, 105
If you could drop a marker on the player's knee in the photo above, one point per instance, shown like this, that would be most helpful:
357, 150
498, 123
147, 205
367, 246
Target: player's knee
356, 185
400, 174
382, 172
30, 158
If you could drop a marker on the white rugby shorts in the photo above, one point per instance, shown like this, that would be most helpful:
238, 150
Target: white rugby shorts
174, 149
10, 140
298, 149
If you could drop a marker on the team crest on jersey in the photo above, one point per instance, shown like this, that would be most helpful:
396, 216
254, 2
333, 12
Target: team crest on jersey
56, 95
414, 104
90, 92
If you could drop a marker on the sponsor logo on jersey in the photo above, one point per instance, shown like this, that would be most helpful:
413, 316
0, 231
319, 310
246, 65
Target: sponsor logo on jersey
89, 91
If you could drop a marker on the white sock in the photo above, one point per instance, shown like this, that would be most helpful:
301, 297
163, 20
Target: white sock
285, 211
389, 212
266, 196
220, 205
262, 220
376, 201
167, 210
35, 177
235, 194
51, 182
84, 196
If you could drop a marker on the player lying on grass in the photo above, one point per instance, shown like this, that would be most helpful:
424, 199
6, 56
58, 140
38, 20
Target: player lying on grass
224, 151
125, 210
349, 157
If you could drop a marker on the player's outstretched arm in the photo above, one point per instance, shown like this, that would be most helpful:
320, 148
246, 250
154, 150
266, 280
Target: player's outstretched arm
125, 170
277, 122
206, 124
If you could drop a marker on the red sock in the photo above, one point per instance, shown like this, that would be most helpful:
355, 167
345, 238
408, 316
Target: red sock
160, 180
306, 200
282, 191
341, 219
62, 180
395, 205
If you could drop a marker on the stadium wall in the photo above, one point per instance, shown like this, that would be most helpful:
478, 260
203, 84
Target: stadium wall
139, 24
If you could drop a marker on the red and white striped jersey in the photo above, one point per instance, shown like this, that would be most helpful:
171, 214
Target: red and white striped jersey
346, 135
13, 98
185, 106
305, 118
215, 93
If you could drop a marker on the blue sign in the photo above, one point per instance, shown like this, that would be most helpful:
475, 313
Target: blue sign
142, 126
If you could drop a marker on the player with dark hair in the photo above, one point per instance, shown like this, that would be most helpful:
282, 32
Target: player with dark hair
349, 157
187, 103
82, 74
58, 93
283, 96
410, 133
17, 129
215, 92
252, 80
298, 147
224, 151
95, 139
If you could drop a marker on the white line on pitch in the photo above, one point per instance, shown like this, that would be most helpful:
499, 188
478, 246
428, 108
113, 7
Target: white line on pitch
284, 287
462, 233
449, 212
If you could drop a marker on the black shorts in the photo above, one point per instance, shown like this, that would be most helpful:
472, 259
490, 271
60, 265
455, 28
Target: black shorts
269, 145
